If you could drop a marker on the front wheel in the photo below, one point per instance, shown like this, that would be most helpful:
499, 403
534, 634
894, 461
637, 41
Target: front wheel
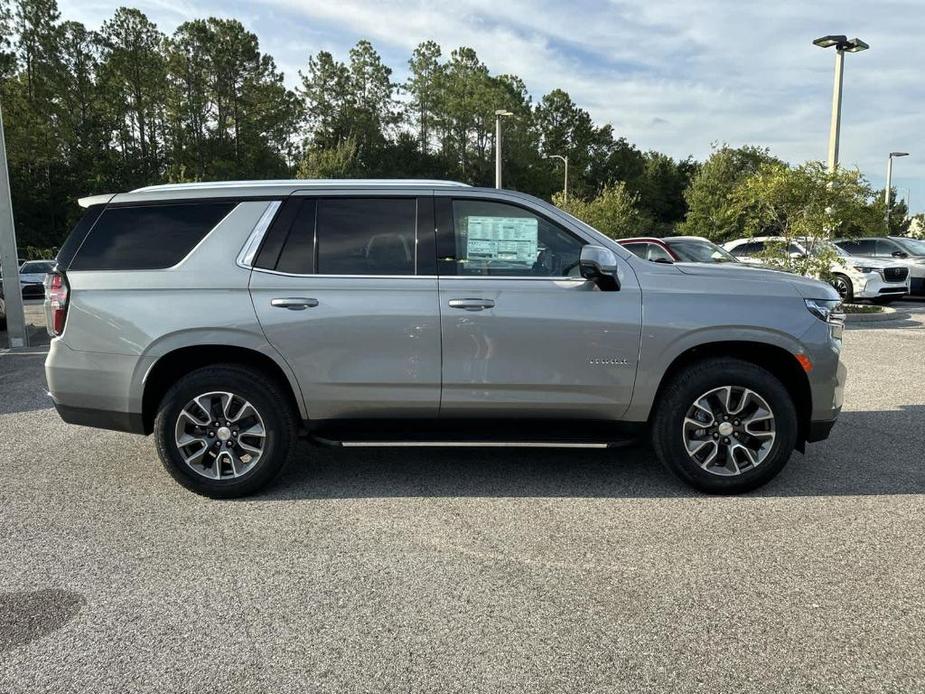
224, 431
843, 286
725, 426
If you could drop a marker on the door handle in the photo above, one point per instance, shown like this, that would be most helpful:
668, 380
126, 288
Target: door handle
472, 304
294, 303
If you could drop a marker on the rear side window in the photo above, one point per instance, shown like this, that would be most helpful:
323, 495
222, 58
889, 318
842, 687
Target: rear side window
351, 236
147, 237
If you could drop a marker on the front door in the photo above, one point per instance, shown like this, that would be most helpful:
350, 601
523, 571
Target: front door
523, 334
341, 294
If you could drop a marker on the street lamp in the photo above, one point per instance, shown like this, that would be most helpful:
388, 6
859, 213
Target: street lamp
499, 114
842, 45
889, 179
565, 186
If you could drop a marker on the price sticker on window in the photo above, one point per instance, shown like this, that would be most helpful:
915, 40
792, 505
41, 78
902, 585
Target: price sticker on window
508, 239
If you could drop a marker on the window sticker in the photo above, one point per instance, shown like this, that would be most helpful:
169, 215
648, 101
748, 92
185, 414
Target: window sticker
509, 239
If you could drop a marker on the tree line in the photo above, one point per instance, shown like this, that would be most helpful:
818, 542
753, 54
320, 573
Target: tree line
109, 110
91, 111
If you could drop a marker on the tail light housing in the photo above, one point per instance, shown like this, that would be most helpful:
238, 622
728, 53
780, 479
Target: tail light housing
56, 291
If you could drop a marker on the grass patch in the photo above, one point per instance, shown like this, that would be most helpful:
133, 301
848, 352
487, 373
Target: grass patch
862, 308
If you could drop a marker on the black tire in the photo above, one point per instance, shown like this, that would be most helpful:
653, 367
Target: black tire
678, 396
844, 287
279, 424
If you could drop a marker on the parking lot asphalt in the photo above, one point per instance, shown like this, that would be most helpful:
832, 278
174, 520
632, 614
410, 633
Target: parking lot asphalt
469, 570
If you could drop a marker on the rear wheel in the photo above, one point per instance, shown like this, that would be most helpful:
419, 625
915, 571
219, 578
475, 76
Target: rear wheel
224, 431
843, 286
725, 426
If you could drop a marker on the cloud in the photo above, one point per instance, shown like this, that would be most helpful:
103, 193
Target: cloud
669, 75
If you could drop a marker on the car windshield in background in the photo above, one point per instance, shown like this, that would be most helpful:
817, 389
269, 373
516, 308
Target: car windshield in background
912, 246
691, 251
37, 267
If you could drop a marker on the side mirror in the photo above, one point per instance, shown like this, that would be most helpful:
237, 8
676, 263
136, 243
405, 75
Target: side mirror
900, 254
599, 265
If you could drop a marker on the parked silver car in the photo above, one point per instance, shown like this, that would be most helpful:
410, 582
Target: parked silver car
229, 318
894, 249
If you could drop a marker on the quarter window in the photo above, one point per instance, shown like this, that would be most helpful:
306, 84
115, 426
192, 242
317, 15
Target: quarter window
492, 238
147, 237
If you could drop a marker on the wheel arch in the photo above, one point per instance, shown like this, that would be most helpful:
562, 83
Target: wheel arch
775, 359
175, 364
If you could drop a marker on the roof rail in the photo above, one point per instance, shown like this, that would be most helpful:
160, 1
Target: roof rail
305, 183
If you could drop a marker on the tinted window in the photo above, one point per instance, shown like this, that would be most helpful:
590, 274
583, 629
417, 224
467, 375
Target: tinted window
147, 237
694, 251
78, 234
886, 248
656, 253
492, 238
35, 267
638, 249
298, 254
365, 236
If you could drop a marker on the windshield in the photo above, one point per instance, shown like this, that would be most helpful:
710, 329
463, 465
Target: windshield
700, 251
37, 267
912, 246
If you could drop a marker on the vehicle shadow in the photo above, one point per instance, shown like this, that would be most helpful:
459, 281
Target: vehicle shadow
869, 453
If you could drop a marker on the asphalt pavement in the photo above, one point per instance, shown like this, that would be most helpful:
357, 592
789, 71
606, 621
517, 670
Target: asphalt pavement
471, 570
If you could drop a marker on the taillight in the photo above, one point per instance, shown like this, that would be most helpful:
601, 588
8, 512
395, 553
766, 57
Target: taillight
56, 290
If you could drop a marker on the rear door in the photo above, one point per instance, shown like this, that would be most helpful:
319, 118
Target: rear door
345, 289
524, 335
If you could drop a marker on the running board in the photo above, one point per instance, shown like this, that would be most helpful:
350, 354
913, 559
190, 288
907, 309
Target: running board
468, 444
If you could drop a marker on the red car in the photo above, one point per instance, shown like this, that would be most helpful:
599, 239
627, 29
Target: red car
677, 249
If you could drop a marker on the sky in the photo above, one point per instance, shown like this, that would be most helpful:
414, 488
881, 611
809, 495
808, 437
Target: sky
671, 76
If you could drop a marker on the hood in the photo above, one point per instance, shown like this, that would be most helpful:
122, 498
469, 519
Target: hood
806, 287
864, 261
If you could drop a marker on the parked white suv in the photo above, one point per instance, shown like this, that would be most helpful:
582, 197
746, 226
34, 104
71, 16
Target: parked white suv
893, 249
854, 277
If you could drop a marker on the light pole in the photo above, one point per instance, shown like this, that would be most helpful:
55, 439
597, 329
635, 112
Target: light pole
499, 114
842, 46
889, 180
565, 186
12, 292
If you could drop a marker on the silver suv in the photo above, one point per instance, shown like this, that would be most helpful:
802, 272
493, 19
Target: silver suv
230, 318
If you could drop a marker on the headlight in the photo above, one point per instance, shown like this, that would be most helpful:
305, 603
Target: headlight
863, 269
828, 310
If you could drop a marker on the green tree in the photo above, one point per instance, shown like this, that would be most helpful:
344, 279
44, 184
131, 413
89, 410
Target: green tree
325, 95
898, 220
809, 204
423, 87
614, 212
661, 187
333, 162
7, 56
134, 74
710, 211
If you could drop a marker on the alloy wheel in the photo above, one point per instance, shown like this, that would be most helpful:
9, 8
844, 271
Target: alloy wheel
729, 430
220, 435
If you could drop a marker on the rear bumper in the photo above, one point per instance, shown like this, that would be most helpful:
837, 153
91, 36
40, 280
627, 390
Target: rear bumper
102, 419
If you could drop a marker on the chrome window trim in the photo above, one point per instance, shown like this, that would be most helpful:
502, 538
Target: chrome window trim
423, 277
248, 252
